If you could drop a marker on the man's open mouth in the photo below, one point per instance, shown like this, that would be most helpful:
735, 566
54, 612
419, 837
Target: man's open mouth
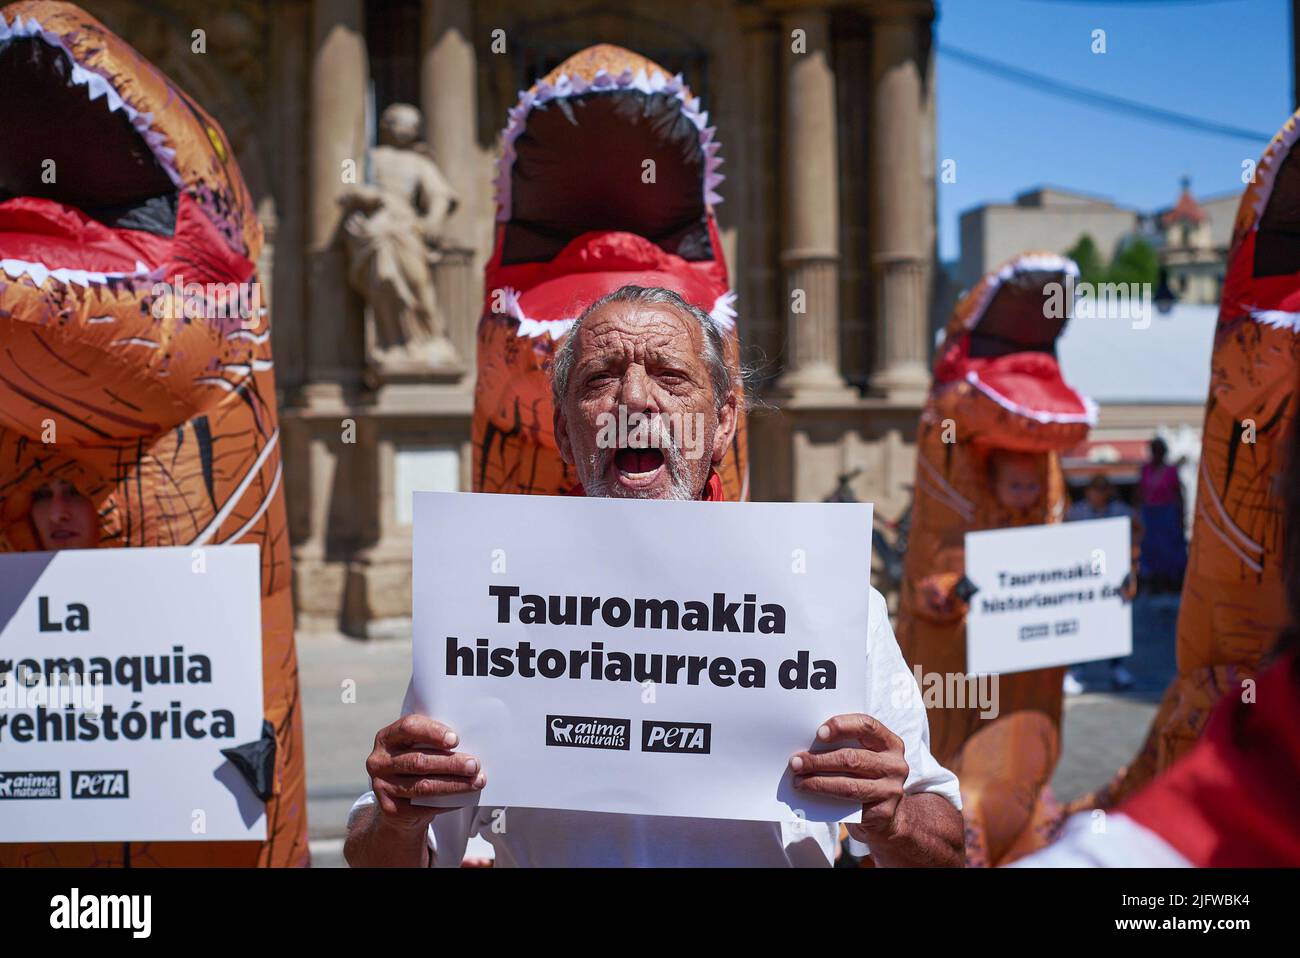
88, 189
637, 467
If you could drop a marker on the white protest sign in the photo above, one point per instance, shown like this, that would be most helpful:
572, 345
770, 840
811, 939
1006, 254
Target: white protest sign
1048, 596
123, 673
644, 657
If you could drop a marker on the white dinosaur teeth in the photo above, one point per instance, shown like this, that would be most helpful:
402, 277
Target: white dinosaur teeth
565, 86
98, 86
77, 277
39, 273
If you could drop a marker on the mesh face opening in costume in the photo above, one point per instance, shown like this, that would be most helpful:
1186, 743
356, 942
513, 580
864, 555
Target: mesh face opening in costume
111, 382
988, 457
1233, 601
607, 177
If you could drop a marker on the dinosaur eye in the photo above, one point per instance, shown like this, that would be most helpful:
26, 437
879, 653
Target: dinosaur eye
215, 139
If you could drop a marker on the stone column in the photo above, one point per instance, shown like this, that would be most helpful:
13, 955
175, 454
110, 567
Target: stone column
337, 135
449, 101
810, 254
338, 75
289, 29
899, 257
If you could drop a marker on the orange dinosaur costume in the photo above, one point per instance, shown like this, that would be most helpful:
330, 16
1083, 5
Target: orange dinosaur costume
159, 413
607, 176
1233, 601
997, 386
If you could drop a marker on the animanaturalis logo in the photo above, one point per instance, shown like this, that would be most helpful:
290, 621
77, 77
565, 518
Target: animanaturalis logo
29, 785
588, 731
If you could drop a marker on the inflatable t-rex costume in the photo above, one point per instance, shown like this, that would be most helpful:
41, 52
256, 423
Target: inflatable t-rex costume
1233, 601
607, 177
161, 415
997, 386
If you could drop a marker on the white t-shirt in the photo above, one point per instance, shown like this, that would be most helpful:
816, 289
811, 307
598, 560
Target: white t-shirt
545, 837
1097, 840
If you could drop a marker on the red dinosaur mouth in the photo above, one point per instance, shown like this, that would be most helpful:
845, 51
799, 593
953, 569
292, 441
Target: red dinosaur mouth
83, 194
88, 188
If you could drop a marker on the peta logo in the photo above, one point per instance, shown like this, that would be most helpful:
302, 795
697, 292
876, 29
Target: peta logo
100, 784
29, 785
691, 738
585, 731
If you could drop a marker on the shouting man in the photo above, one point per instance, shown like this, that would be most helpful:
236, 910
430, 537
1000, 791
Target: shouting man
647, 358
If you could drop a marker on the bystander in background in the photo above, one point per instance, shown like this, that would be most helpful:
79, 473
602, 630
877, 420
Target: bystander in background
1100, 502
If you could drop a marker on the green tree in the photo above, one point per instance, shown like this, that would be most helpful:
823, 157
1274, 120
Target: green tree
1085, 254
1136, 262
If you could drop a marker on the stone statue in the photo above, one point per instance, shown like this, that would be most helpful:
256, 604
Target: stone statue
393, 232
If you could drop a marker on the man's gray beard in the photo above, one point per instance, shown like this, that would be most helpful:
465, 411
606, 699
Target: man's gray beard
599, 485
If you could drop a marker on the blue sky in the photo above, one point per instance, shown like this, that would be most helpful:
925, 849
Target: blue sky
1227, 61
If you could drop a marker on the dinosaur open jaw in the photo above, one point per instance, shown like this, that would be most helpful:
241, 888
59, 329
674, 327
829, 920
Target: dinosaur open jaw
88, 189
1020, 317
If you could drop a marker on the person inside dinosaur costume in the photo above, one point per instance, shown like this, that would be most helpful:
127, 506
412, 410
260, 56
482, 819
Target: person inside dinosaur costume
608, 177
1233, 599
997, 417
129, 396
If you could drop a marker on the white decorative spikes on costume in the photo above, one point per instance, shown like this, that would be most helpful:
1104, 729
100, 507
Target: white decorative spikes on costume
565, 86
723, 313
40, 272
1029, 263
99, 86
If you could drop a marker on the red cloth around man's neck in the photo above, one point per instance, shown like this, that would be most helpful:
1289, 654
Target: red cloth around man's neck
712, 489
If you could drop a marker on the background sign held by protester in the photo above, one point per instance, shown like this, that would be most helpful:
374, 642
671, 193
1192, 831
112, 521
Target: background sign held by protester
1048, 595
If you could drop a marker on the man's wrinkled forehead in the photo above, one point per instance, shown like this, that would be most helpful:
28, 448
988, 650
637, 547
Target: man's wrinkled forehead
637, 331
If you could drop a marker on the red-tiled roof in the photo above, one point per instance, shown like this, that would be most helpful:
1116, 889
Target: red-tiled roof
1185, 209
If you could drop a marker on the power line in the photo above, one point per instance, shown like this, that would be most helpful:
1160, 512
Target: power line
1138, 3
1101, 101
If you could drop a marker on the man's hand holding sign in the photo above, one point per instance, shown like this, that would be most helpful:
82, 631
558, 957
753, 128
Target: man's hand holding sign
866, 764
646, 683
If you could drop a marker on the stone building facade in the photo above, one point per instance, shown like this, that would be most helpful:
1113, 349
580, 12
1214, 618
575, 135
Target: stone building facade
830, 158
1048, 218
1193, 243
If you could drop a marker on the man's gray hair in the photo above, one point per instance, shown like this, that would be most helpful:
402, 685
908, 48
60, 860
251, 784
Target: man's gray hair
714, 352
